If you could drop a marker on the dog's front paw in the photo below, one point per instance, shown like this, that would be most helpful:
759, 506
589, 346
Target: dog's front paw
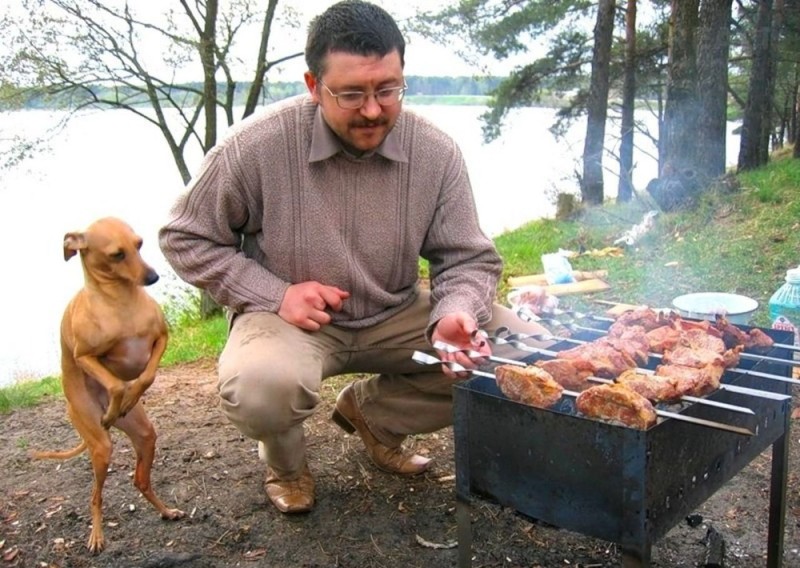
108, 419
130, 399
172, 514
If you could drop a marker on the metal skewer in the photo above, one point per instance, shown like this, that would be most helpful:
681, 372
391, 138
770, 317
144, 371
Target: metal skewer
426, 359
549, 337
731, 388
441, 346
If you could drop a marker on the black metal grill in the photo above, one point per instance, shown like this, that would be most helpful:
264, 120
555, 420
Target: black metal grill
614, 483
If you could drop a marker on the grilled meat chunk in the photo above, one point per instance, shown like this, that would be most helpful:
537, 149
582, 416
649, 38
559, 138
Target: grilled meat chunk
695, 357
733, 336
758, 341
632, 341
702, 325
617, 404
601, 359
566, 373
664, 338
529, 385
700, 339
655, 388
647, 318
693, 381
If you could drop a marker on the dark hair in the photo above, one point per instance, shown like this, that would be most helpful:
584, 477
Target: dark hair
352, 26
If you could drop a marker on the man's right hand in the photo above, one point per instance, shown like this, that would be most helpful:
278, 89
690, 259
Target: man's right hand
307, 304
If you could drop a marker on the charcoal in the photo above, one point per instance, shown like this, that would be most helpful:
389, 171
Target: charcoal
715, 549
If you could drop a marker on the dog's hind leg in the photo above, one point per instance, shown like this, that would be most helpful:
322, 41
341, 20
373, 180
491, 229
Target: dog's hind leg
101, 458
143, 437
85, 412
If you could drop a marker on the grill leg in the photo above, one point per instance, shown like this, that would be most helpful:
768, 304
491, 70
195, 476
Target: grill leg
777, 498
635, 559
464, 531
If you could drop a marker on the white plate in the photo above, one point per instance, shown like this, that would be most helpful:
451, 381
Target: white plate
706, 305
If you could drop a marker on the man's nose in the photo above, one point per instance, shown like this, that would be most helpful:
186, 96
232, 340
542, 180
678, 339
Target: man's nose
371, 108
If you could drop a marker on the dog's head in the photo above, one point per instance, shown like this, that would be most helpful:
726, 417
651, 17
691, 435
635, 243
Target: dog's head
109, 251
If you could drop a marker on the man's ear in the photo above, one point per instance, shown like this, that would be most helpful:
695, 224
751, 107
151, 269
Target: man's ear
311, 84
73, 242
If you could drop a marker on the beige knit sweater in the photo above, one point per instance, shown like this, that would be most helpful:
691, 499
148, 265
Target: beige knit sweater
266, 211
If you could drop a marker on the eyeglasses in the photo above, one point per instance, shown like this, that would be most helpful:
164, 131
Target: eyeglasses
352, 100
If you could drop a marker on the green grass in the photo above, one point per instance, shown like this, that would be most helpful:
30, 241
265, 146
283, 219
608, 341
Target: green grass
740, 238
196, 339
190, 340
28, 393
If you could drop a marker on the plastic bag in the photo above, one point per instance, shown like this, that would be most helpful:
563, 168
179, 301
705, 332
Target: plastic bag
557, 268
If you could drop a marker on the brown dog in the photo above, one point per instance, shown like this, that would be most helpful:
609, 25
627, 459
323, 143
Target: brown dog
113, 335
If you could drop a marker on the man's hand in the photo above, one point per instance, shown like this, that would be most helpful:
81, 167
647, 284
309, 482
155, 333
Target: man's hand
306, 305
460, 330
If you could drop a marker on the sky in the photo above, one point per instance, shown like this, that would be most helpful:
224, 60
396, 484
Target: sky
423, 57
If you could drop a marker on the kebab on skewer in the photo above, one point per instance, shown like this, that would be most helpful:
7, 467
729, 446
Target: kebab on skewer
645, 331
613, 403
665, 327
579, 368
692, 366
535, 387
694, 359
529, 385
617, 404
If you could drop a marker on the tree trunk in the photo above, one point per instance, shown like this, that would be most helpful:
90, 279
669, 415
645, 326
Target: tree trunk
676, 184
254, 93
597, 106
754, 142
712, 87
208, 43
625, 187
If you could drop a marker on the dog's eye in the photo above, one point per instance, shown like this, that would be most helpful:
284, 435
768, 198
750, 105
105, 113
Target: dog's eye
118, 256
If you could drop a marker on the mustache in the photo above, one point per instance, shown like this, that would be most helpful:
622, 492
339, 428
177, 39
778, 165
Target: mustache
369, 123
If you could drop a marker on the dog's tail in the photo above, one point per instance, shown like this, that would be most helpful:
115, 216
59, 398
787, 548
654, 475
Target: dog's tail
64, 455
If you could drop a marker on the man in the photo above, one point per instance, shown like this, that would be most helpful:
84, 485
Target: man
308, 223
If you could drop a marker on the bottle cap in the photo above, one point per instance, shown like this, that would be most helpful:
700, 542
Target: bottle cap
793, 275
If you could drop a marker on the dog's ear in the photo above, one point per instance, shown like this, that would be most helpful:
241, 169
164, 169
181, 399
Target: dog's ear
73, 242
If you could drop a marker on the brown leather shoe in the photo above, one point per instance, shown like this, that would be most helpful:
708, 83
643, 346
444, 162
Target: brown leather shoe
291, 495
393, 460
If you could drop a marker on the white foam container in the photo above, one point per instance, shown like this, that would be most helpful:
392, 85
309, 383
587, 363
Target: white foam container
706, 305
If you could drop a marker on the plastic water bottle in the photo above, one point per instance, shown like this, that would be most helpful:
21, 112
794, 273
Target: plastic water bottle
784, 306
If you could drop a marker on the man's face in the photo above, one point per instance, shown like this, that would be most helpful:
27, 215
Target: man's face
362, 129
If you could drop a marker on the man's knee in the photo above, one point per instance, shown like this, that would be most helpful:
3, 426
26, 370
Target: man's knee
262, 399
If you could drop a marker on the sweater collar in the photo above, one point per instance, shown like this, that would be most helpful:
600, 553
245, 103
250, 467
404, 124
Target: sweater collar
325, 144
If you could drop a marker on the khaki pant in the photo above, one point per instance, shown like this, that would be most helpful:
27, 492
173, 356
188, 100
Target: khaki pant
270, 374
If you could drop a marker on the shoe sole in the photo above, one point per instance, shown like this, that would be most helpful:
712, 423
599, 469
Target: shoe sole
343, 422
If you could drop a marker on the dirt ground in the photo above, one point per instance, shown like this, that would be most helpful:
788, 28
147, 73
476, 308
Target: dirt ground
363, 518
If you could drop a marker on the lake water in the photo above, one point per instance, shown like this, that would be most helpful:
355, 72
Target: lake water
113, 163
